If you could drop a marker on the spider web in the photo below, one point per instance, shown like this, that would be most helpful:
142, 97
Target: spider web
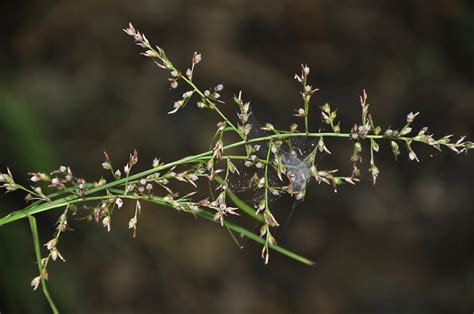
297, 154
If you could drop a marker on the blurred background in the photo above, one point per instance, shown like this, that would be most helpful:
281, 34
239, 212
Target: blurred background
72, 84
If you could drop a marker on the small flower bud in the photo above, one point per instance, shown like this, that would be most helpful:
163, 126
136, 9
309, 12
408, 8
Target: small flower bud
405, 131
196, 58
156, 162
188, 94
51, 244
413, 156
395, 149
119, 202
132, 224
411, 117
326, 108
106, 223
174, 73
357, 147
306, 70
55, 182
36, 282
375, 173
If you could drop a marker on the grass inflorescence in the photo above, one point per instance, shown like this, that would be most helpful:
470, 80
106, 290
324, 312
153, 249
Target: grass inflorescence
264, 150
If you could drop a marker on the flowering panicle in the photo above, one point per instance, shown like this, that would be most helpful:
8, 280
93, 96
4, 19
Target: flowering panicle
275, 161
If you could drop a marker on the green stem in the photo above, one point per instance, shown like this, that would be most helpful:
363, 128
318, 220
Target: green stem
37, 208
256, 238
266, 175
36, 242
201, 212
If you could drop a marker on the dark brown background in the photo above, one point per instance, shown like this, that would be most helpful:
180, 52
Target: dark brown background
72, 84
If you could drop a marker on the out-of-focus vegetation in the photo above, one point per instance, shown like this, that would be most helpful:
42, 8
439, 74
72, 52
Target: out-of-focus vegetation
72, 86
